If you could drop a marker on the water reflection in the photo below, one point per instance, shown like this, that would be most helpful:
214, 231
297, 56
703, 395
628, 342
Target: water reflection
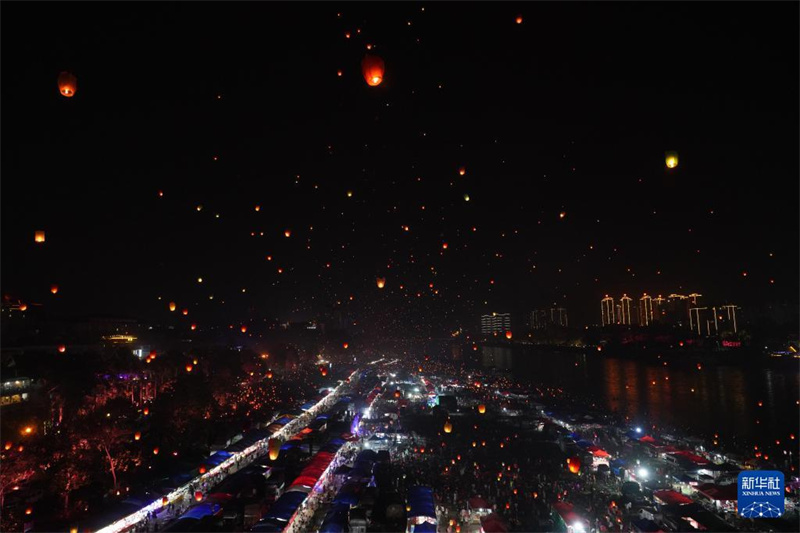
714, 399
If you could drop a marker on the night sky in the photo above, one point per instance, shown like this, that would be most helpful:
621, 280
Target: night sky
570, 112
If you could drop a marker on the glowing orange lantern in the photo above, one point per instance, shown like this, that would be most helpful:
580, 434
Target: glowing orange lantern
62, 348
67, 84
172, 306
274, 446
508, 335
448, 427
345, 345
23, 307
54, 289
269, 375
137, 435
462, 171
146, 411
397, 393
164, 500
244, 329
381, 282
287, 233
189, 367
194, 327
574, 464
185, 312
202, 469
519, 20
482, 409
373, 68
38, 236
198, 496
155, 450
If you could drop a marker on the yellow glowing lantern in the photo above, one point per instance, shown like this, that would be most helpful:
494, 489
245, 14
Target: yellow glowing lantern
345, 345
482, 409
164, 500
155, 450
67, 84
38, 236
137, 435
671, 159
462, 171
519, 20
244, 329
466, 197
146, 411
509, 335
448, 427
274, 446
287, 233
172, 306
23, 307
381, 282
189, 367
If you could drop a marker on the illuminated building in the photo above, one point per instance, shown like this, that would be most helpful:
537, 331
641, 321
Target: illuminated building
645, 310
543, 318
607, 310
625, 310
495, 323
658, 309
677, 311
729, 315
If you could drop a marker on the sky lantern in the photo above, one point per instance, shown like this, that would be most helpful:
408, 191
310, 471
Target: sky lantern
269, 375
466, 197
189, 367
193, 327
381, 282
397, 393
482, 409
172, 306
146, 411
38, 236
509, 335
345, 345
574, 464
244, 329
23, 307
462, 171
671, 159
448, 427
198, 496
137, 435
54, 289
373, 68
202, 469
155, 450
185, 312
519, 19
67, 84
274, 446
62, 348
164, 500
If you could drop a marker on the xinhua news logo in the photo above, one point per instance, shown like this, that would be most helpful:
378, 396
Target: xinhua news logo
761, 494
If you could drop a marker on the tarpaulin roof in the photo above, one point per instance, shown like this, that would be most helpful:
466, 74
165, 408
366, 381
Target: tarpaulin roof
425, 527
217, 458
336, 519
307, 481
420, 499
493, 524
307, 406
670, 497
201, 511
285, 506
478, 503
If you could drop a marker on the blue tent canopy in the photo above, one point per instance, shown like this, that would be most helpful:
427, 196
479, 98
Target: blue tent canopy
336, 519
307, 406
201, 511
283, 421
285, 507
425, 527
269, 526
217, 458
420, 499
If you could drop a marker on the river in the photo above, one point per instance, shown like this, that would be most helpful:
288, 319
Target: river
745, 404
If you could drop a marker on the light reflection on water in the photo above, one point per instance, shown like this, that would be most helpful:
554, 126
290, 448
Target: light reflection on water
716, 399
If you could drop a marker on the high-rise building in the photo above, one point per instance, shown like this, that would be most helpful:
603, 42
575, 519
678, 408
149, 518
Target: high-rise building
645, 310
543, 318
607, 311
495, 323
659, 310
625, 310
677, 309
